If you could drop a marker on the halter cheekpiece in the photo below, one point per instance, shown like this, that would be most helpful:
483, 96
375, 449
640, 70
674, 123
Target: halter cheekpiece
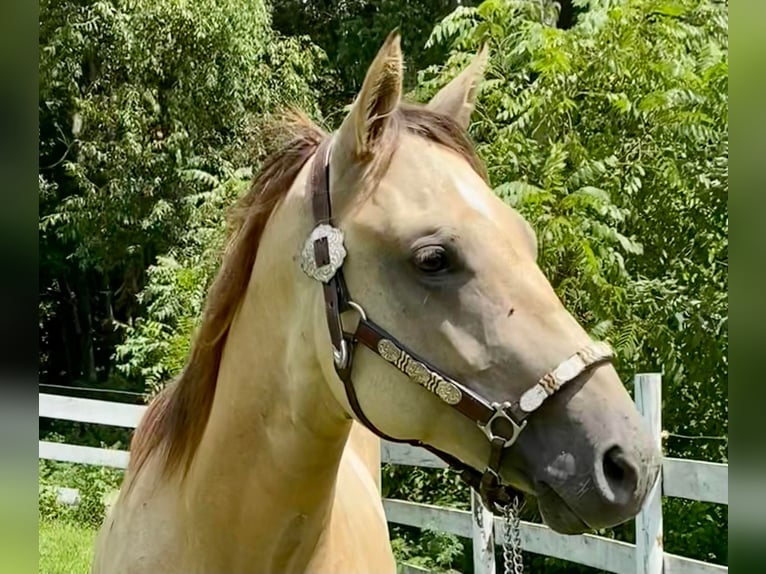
322, 259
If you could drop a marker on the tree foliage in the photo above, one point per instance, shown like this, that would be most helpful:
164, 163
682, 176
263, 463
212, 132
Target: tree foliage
157, 344
351, 31
142, 104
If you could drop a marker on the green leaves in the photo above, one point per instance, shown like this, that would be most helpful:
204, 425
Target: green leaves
518, 193
94, 483
157, 344
459, 22
142, 105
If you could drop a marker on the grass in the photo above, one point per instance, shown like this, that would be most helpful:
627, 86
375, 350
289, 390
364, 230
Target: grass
65, 548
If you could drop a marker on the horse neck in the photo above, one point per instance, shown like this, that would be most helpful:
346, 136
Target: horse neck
267, 463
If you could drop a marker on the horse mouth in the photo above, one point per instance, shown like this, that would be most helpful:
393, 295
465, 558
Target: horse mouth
557, 514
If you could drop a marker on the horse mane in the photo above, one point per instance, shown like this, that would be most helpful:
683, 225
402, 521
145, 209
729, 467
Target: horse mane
176, 418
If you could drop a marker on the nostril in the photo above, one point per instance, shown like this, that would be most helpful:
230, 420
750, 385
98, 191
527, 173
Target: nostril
620, 477
613, 466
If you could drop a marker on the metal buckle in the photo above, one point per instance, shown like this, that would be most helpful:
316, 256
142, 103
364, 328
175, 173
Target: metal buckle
501, 414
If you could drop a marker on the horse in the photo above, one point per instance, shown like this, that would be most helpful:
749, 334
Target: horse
372, 286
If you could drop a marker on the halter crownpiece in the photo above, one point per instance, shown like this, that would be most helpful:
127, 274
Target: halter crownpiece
322, 259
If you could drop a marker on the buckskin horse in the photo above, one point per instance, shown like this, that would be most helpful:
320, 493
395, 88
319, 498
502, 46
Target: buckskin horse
373, 285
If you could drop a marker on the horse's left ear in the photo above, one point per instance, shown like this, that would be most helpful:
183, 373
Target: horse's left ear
366, 123
457, 99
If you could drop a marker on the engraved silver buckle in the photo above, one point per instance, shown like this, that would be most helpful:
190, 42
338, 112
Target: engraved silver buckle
335, 246
501, 414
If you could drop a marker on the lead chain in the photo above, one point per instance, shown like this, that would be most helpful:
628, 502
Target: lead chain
512, 559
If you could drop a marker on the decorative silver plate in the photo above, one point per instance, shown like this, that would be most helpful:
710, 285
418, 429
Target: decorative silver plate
566, 371
337, 253
419, 373
448, 392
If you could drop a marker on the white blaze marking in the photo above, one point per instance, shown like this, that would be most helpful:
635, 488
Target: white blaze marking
475, 198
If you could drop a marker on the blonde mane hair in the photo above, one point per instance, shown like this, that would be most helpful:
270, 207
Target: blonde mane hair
176, 418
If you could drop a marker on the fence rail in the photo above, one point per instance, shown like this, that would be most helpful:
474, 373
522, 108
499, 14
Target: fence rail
694, 480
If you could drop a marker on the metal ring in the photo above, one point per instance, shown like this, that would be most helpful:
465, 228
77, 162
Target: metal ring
501, 414
358, 308
340, 357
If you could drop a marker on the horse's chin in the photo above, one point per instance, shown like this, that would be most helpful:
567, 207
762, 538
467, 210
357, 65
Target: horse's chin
556, 513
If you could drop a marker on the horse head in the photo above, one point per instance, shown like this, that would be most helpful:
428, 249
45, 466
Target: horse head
446, 274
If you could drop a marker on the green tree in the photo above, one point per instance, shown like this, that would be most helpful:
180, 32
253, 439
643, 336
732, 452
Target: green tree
142, 105
157, 344
350, 32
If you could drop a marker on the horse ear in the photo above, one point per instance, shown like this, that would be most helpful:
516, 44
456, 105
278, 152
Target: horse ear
456, 100
380, 94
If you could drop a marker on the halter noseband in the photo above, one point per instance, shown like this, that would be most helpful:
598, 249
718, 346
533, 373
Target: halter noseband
322, 259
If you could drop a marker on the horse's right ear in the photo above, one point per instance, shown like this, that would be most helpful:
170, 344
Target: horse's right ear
457, 99
370, 113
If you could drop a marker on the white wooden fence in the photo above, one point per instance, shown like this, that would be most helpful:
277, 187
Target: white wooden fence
695, 480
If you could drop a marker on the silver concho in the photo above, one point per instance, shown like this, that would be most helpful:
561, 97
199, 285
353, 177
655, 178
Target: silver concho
337, 253
418, 372
448, 392
388, 350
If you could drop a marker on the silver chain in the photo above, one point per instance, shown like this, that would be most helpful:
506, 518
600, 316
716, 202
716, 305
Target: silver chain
512, 538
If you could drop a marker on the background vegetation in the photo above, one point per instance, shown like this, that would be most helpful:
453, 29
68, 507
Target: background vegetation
604, 122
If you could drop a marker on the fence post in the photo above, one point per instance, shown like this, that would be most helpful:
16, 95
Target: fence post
649, 544
483, 537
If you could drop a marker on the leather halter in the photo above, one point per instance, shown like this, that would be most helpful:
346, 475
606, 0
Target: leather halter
322, 259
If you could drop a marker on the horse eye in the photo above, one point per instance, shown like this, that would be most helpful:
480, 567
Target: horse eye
432, 259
